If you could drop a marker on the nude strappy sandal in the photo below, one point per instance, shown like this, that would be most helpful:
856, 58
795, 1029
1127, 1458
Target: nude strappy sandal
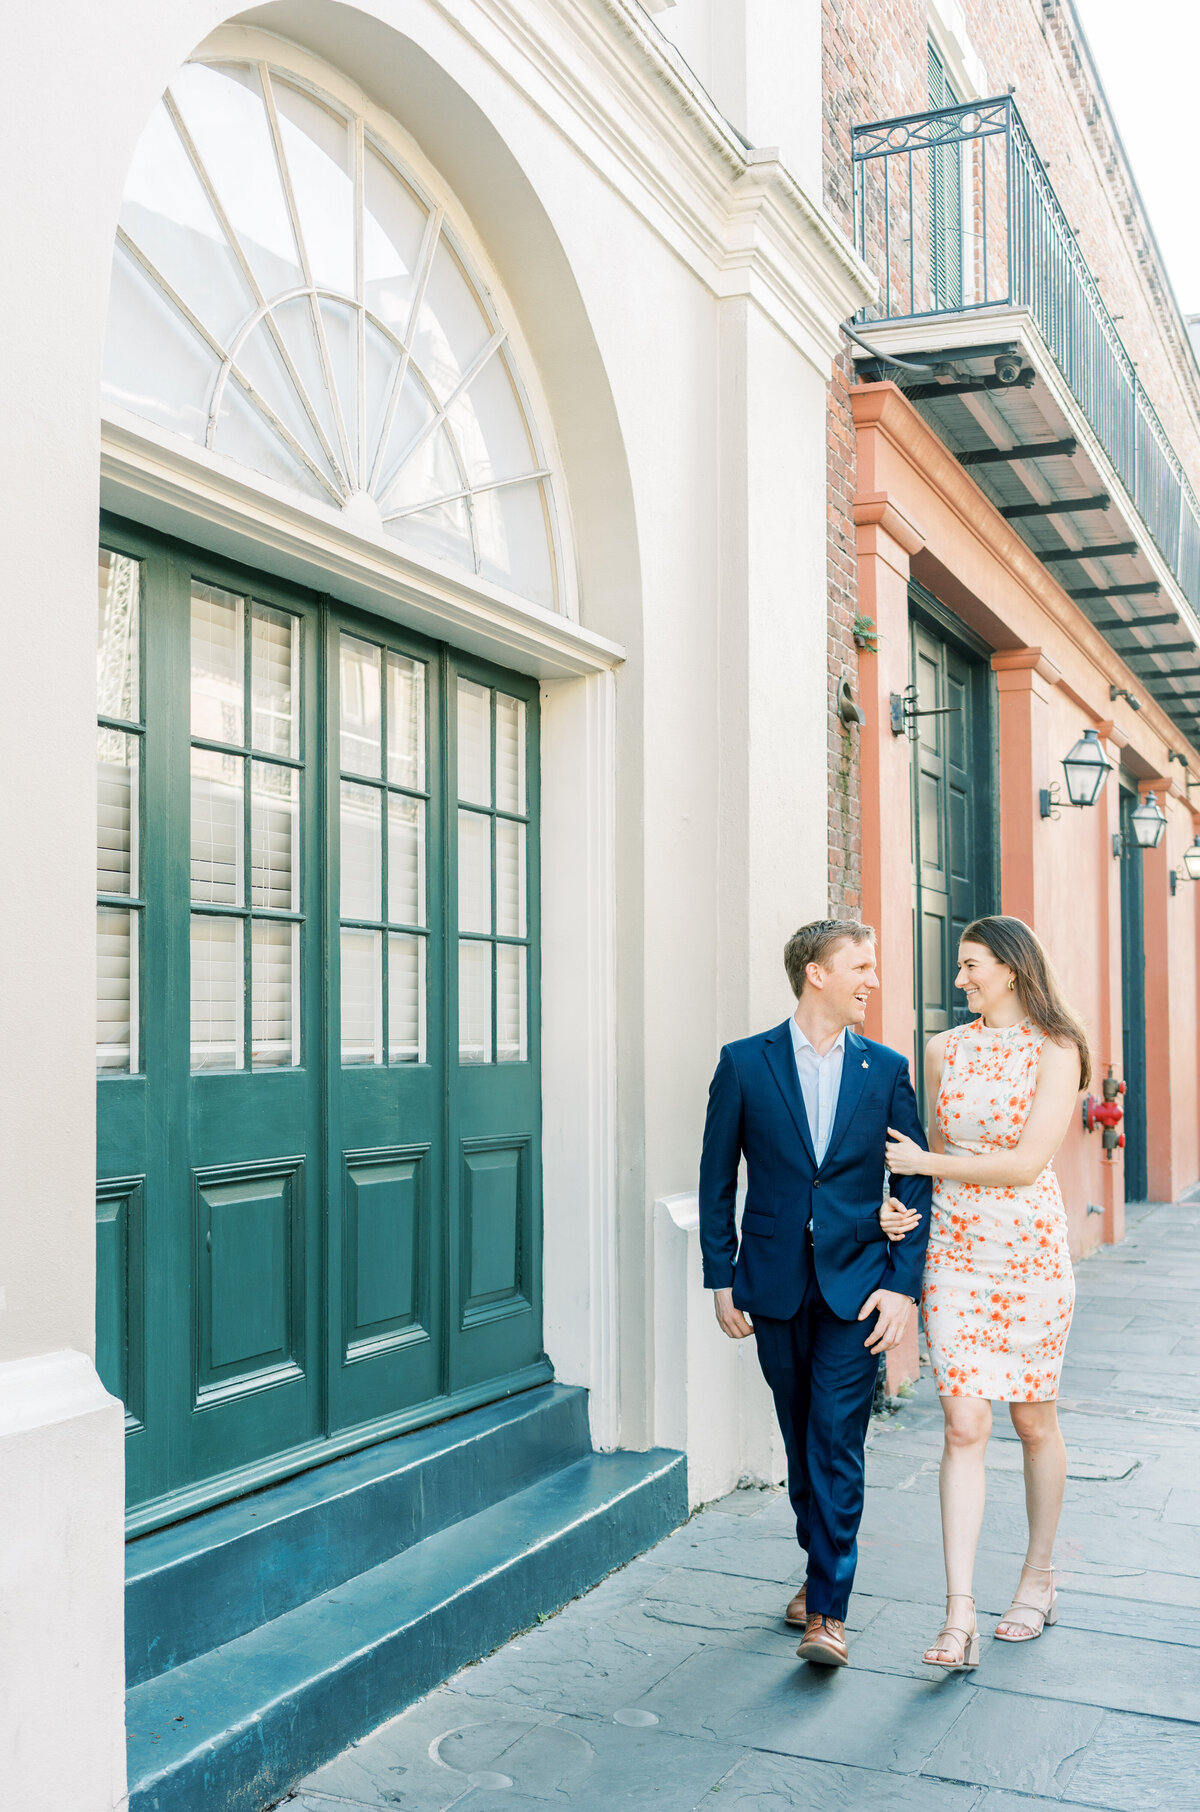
1044, 1613
969, 1645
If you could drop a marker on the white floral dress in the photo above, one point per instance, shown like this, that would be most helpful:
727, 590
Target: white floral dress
998, 1290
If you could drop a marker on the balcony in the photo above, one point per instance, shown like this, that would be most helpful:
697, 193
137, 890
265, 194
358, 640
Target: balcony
1023, 374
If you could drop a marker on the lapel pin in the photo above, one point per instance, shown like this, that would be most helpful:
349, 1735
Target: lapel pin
866, 1065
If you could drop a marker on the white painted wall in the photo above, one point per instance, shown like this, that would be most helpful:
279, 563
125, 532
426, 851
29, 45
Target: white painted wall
678, 298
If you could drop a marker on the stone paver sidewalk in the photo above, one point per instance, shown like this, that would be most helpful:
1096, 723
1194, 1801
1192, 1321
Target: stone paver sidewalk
675, 1684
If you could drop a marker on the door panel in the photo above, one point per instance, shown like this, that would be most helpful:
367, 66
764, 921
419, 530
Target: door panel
243, 893
952, 802
494, 1123
387, 1201
387, 1066
249, 1280
318, 1218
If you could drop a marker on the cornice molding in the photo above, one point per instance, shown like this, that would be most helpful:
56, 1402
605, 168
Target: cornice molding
735, 213
876, 509
882, 407
187, 492
1031, 661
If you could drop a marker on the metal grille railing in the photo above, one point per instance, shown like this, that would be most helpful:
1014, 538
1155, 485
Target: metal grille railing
954, 212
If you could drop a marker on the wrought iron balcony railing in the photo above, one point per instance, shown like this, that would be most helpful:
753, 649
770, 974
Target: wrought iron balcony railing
954, 212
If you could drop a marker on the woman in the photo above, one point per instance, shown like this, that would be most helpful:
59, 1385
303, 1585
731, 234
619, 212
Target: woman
998, 1290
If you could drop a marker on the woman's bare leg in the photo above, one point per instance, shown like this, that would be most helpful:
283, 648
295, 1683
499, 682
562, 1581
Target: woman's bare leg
1045, 1455
962, 1486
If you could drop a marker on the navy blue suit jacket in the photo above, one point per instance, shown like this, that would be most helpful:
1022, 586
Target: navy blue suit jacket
756, 1109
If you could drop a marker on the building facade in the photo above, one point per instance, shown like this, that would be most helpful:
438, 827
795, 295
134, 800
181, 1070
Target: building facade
1014, 556
519, 606
451, 383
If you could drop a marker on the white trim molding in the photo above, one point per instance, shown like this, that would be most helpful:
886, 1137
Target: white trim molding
579, 1041
960, 59
53, 1387
167, 483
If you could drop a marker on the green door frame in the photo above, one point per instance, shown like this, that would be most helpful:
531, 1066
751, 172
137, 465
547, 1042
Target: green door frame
954, 763
1133, 999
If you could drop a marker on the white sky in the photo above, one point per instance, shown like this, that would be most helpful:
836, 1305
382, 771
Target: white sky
1148, 57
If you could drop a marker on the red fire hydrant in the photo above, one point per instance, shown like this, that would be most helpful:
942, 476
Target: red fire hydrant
1107, 1114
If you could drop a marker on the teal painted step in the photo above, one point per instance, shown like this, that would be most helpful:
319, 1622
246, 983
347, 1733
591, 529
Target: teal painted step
236, 1728
208, 1580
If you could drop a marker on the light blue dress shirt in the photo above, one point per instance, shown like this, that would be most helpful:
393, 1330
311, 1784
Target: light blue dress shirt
820, 1083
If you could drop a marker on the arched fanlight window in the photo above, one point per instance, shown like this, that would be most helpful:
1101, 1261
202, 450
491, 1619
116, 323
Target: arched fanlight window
286, 294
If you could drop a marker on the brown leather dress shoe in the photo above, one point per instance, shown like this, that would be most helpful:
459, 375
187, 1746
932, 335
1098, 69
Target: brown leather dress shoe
797, 1611
824, 1642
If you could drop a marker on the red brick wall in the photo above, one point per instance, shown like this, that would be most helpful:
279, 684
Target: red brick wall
875, 67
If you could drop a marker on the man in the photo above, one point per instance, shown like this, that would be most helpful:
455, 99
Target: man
809, 1105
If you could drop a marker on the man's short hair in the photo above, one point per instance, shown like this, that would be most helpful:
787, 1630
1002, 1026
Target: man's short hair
816, 943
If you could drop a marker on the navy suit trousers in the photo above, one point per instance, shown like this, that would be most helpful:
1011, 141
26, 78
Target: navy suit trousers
823, 1380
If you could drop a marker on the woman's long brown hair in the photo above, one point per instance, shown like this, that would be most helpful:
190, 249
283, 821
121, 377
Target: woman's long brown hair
1011, 941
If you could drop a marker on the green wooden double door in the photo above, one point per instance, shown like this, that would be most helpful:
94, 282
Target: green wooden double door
318, 1212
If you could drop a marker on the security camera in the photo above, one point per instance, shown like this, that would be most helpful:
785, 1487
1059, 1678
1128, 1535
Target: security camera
1009, 368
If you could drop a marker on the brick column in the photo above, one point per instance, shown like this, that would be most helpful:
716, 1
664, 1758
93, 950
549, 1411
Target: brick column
886, 542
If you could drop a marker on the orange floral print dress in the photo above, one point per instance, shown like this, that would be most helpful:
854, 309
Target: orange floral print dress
998, 1290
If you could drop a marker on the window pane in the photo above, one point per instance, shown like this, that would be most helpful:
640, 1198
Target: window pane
116, 989
362, 861
117, 813
217, 677
406, 860
217, 989
275, 994
475, 1003
474, 872
360, 706
274, 836
224, 114
362, 1006
510, 753
117, 639
217, 827
319, 151
406, 722
512, 531
394, 222
474, 743
510, 878
274, 681
406, 999
511, 1042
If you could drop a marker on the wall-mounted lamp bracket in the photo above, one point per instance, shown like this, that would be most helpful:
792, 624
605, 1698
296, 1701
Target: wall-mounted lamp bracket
1118, 846
1049, 801
903, 707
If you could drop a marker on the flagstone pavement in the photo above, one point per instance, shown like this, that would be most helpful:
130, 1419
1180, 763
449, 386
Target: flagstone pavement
675, 1685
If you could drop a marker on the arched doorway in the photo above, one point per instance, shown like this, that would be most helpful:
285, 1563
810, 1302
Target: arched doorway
319, 1087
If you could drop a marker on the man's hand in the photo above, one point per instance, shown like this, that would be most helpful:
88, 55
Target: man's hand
894, 1311
731, 1321
896, 1219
